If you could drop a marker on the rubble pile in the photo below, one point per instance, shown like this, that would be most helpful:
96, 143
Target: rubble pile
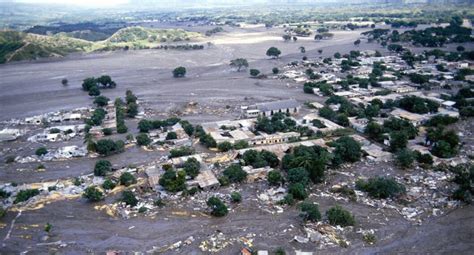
324, 235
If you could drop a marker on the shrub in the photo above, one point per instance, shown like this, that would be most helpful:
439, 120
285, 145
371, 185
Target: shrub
127, 179
143, 139
93, 194
224, 181
9, 159
298, 175
129, 198
179, 72
381, 187
54, 131
235, 173
102, 167
274, 178
275, 70
41, 151
236, 197
24, 195
106, 147
108, 184
310, 212
339, 216
218, 208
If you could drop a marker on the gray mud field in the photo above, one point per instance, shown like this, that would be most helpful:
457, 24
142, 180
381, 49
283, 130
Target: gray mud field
35, 87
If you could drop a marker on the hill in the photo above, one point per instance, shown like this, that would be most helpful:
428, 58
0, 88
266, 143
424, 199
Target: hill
17, 46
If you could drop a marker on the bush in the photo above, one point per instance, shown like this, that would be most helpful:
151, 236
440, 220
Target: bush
381, 187
143, 139
127, 179
297, 190
129, 198
93, 194
54, 131
310, 212
274, 178
102, 167
275, 70
224, 146
24, 195
207, 141
101, 101
9, 159
108, 184
424, 158
338, 216
41, 151
235, 173
236, 197
218, 208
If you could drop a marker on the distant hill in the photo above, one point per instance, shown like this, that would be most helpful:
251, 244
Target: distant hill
17, 46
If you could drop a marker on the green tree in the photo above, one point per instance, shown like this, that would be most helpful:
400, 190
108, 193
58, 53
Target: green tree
381, 187
274, 177
93, 194
108, 184
143, 139
129, 198
127, 179
374, 131
275, 70
101, 101
310, 212
405, 158
179, 72
298, 191
102, 167
218, 208
239, 63
191, 167
398, 141
235, 173
171, 136
173, 181
254, 72
273, 52
236, 197
346, 150
224, 146
41, 151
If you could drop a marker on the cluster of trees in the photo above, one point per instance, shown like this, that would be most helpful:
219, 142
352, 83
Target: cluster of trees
93, 84
144, 126
346, 149
132, 106
173, 181
93, 194
120, 116
337, 216
278, 123
464, 177
227, 146
400, 131
205, 139
181, 151
464, 102
445, 143
234, 174
97, 117
418, 105
325, 88
106, 147
214, 31
102, 167
258, 159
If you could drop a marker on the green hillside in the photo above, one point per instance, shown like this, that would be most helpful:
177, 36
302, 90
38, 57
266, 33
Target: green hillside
17, 46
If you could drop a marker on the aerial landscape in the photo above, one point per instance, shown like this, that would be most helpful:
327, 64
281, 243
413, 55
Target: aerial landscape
236, 127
